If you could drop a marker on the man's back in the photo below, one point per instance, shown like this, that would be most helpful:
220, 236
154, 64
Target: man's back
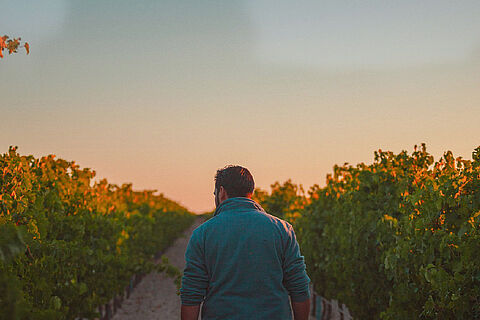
245, 263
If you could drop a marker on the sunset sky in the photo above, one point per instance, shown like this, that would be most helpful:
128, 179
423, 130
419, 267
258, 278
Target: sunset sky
164, 93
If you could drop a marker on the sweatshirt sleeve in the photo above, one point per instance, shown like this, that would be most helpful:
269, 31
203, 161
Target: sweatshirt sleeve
295, 278
195, 276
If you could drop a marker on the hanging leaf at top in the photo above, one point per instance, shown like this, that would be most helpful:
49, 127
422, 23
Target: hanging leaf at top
12, 45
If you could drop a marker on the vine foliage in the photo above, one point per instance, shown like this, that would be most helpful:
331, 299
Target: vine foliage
68, 244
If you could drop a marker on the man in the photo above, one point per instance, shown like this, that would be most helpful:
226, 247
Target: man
243, 263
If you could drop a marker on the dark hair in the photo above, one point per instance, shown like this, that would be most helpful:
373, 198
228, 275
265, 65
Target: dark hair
237, 181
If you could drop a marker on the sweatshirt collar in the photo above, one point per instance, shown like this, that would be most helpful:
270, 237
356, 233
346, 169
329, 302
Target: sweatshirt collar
237, 203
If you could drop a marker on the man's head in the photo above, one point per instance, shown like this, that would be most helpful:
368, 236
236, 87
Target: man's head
233, 181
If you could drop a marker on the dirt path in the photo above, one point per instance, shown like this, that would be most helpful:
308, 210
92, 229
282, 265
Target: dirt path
155, 296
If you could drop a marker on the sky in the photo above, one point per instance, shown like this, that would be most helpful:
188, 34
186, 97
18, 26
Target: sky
161, 94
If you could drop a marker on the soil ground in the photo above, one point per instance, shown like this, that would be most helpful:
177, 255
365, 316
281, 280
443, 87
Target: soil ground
155, 297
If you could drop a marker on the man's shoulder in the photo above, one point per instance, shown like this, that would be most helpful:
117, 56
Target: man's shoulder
200, 228
283, 225
261, 216
205, 226
276, 219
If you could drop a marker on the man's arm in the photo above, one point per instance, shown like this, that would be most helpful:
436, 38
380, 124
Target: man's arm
195, 278
301, 310
295, 278
190, 312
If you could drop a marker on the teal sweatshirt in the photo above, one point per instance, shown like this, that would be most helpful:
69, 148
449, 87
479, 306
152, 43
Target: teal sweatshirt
244, 263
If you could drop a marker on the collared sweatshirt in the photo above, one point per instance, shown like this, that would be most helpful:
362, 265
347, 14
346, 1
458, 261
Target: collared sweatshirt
244, 263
